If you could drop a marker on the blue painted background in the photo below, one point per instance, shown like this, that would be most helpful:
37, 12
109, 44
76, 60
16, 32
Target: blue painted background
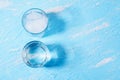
87, 30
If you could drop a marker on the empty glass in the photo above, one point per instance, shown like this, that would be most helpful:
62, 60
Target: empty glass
36, 54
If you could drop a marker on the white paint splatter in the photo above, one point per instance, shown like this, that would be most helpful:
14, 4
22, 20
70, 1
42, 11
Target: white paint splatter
118, 8
17, 61
29, 3
97, 4
104, 61
20, 79
14, 49
58, 8
33, 77
54, 0
4, 3
12, 9
89, 31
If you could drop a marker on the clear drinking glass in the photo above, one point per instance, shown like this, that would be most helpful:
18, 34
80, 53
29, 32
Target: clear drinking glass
36, 54
34, 20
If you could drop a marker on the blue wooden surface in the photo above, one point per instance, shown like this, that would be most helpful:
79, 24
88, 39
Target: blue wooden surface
87, 30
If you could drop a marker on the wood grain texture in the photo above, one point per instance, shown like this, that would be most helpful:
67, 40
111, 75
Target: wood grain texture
88, 31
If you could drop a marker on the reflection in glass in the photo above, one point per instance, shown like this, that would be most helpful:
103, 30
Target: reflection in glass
36, 54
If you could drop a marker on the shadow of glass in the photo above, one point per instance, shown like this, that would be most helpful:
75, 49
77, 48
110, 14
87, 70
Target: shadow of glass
55, 25
58, 56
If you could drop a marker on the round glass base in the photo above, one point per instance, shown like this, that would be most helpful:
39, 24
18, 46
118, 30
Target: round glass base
35, 20
36, 54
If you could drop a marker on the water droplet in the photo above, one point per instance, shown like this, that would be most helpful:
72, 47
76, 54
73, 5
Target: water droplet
36, 54
35, 20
